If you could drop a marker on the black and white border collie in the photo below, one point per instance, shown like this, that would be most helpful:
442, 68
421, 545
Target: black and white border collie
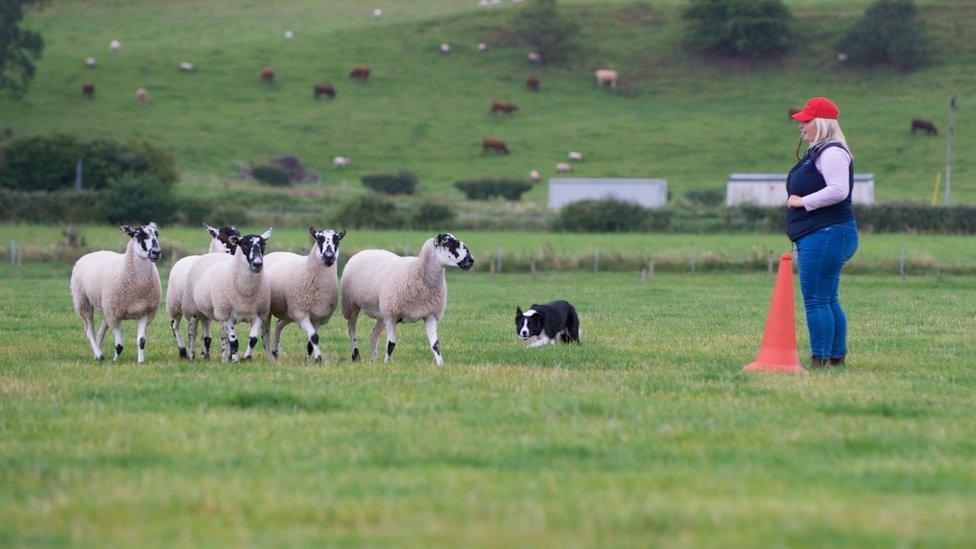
543, 324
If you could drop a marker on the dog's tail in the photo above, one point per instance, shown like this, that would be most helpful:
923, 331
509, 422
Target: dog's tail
572, 333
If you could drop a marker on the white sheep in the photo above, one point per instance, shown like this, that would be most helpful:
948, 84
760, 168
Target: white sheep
114, 45
607, 77
177, 283
289, 34
377, 12
90, 62
394, 289
445, 47
563, 167
186, 66
535, 176
142, 96
576, 156
340, 162
482, 47
120, 286
534, 57
304, 289
228, 289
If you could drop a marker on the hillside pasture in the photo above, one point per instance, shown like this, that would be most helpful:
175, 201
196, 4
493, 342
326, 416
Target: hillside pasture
678, 116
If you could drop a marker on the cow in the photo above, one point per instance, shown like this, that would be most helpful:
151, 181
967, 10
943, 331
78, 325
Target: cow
88, 90
924, 125
502, 106
360, 72
532, 83
324, 89
493, 143
267, 75
607, 77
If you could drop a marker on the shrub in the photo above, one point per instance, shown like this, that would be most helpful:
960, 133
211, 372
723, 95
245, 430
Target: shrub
52, 207
755, 28
483, 189
431, 215
549, 32
197, 211
132, 200
48, 163
370, 211
888, 33
389, 183
271, 175
610, 216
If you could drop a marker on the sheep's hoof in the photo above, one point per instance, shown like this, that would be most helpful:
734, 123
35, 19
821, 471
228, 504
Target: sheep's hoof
355, 355
183, 352
318, 359
99, 358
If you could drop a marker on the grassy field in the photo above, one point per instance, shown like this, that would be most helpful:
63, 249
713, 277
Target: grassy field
646, 434
877, 253
689, 120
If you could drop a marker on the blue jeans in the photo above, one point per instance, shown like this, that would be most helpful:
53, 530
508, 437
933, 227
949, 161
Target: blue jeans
820, 256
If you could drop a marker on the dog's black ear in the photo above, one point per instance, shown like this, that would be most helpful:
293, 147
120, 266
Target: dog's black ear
518, 311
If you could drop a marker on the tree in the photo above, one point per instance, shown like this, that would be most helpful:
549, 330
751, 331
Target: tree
549, 32
756, 28
887, 34
19, 48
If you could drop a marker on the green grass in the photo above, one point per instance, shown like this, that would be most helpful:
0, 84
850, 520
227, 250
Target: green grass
648, 433
689, 120
877, 252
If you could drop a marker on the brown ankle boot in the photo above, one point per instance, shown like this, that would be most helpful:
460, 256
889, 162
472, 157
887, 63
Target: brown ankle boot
817, 363
839, 361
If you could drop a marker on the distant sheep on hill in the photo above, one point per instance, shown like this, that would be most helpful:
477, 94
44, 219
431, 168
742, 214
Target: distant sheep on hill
90, 62
607, 77
142, 96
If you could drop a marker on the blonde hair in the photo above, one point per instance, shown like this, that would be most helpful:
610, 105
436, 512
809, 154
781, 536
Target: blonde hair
828, 131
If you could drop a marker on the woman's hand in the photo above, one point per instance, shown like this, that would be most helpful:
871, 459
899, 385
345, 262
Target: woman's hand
794, 201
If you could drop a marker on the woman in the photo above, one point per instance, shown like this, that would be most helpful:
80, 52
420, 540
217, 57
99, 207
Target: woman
820, 221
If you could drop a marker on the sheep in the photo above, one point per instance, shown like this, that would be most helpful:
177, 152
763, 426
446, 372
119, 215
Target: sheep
534, 176
340, 162
177, 281
120, 286
114, 45
394, 289
90, 62
607, 77
445, 47
377, 12
228, 289
482, 47
576, 156
289, 34
142, 96
304, 289
534, 57
186, 66
563, 167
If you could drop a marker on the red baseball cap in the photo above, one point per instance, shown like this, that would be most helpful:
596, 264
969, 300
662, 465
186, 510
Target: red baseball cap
818, 107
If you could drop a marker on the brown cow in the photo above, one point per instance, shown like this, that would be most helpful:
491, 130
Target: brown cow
88, 90
267, 75
924, 125
502, 106
493, 143
532, 83
324, 89
361, 72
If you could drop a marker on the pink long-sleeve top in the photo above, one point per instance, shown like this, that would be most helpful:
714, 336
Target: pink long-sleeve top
834, 164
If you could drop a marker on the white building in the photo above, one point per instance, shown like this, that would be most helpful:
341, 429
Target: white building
769, 189
650, 193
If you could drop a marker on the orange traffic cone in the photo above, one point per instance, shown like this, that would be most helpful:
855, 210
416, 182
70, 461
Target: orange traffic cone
778, 350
